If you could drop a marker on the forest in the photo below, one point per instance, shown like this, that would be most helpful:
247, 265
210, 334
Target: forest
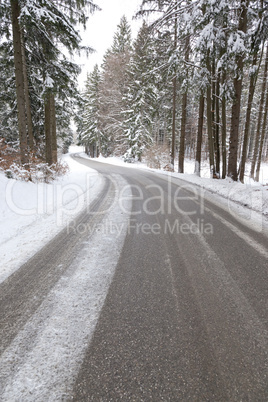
192, 84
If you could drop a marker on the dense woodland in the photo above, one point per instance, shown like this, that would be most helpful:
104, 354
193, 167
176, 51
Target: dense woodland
193, 83
38, 83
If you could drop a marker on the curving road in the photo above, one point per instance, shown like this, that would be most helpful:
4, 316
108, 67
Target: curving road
185, 317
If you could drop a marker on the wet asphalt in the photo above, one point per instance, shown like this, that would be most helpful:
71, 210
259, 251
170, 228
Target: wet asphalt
186, 317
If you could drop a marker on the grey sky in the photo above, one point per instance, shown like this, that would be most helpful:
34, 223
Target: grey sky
101, 28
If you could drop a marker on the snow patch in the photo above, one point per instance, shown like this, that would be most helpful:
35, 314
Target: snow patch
43, 360
32, 214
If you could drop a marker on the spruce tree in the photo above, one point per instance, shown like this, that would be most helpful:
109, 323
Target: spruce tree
141, 97
90, 134
40, 31
114, 87
239, 56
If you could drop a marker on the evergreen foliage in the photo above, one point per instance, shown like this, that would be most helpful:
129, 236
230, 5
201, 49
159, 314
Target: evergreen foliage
114, 88
43, 32
141, 97
90, 134
194, 80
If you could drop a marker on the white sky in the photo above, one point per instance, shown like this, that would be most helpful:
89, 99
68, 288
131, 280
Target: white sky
101, 27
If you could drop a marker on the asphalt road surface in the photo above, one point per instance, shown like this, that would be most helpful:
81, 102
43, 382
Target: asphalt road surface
185, 317
186, 314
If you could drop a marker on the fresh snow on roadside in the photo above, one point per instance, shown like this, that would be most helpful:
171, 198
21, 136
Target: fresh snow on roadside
43, 360
251, 194
32, 214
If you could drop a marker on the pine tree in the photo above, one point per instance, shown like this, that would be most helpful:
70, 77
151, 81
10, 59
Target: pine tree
162, 77
251, 90
122, 37
51, 27
174, 19
90, 131
238, 48
141, 97
8, 105
260, 117
114, 87
39, 33
20, 80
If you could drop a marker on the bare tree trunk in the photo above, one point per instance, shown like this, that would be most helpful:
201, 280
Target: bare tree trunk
223, 136
210, 133
183, 113
234, 131
173, 138
258, 130
257, 177
54, 148
18, 62
222, 77
199, 135
213, 106
182, 136
48, 130
233, 144
27, 97
252, 85
174, 98
217, 124
209, 125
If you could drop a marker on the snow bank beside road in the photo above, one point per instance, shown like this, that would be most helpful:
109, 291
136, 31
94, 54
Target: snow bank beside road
44, 368
252, 195
32, 214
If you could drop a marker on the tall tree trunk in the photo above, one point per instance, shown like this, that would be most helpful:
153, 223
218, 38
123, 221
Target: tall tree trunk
209, 125
48, 131
260, 115
182, 136
18, 62
184, 113
234, 131
223, 76
257, 177
210, 133
217, 124
174, 96
27, 97
173, 138
199, 135
54, 149
252, 85
223, 136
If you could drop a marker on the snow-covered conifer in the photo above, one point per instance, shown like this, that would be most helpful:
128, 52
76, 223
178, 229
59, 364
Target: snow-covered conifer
141, 97
91, 135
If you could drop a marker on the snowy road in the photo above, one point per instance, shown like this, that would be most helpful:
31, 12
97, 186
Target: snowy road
154, 293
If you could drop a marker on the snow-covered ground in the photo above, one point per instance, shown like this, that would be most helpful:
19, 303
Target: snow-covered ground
31, 214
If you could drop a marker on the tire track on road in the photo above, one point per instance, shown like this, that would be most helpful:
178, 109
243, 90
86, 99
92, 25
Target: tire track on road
22, 293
